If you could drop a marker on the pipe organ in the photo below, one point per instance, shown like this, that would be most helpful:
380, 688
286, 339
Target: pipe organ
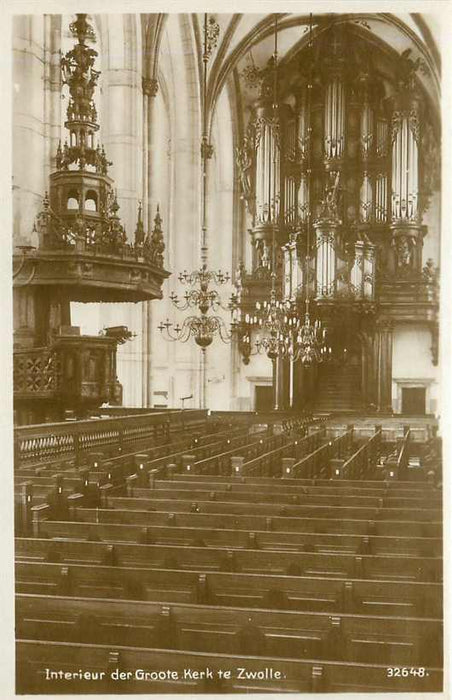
338, 154
337, 179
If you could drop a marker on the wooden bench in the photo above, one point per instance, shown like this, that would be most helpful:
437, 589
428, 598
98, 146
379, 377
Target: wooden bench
178, 481
269, 495
395, 486
283, 592
216, 504
288, 634
389, 567
261, 523
362, 463
270, 463
240, 539
317, 463
220, 463
33, 657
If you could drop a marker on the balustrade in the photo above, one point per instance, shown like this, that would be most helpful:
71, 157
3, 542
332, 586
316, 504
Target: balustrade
39, 443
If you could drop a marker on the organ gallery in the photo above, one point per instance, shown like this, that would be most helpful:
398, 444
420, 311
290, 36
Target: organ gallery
227, 446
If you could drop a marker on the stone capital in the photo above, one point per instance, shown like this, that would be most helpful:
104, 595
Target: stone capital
150, 86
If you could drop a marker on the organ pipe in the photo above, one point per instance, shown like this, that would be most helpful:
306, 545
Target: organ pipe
325, 264
405, 166
334, 119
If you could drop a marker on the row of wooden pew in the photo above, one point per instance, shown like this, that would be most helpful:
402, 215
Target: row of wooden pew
212, 578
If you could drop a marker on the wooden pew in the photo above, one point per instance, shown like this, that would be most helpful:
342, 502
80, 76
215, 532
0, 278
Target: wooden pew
33, 657
288, 634
317, 464
200, 492
270, 463
395, 486
178, 481
259, 523
397, 467
322, 594
240, 539
221, 559
220, 462
216, 504
362, 463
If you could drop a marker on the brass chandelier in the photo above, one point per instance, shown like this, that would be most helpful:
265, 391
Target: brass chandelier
204, 325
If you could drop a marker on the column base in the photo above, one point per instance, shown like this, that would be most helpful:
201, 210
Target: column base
387, 410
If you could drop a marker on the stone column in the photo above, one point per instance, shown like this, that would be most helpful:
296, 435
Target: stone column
275, 384
280, 385
28, 76
368, 370
283, 384
150, 89
384, 367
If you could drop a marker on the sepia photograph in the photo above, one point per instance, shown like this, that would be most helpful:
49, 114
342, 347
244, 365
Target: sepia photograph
227, 363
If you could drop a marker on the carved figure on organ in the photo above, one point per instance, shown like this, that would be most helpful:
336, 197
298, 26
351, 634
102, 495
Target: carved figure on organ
329, 203
405, 249
406, 69
244, 157
265, 255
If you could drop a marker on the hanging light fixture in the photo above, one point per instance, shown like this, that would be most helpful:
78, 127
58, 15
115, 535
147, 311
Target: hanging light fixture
202, 326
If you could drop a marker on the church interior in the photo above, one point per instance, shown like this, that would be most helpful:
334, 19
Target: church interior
226, 356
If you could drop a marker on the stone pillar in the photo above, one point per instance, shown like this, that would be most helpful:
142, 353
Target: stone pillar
368, 383
29, 173
304, 385
280, 384
384, 367
297, 400
150, 89
275, 384
284, 384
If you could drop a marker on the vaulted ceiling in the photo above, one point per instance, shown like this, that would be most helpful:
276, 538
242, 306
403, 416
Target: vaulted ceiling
248, 40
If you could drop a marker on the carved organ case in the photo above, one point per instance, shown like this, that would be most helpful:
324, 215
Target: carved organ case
335, 169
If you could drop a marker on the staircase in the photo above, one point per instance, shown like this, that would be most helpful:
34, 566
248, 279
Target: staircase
339, 388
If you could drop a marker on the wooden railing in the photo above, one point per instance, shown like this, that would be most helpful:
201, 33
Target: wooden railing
362, 461
49, 441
